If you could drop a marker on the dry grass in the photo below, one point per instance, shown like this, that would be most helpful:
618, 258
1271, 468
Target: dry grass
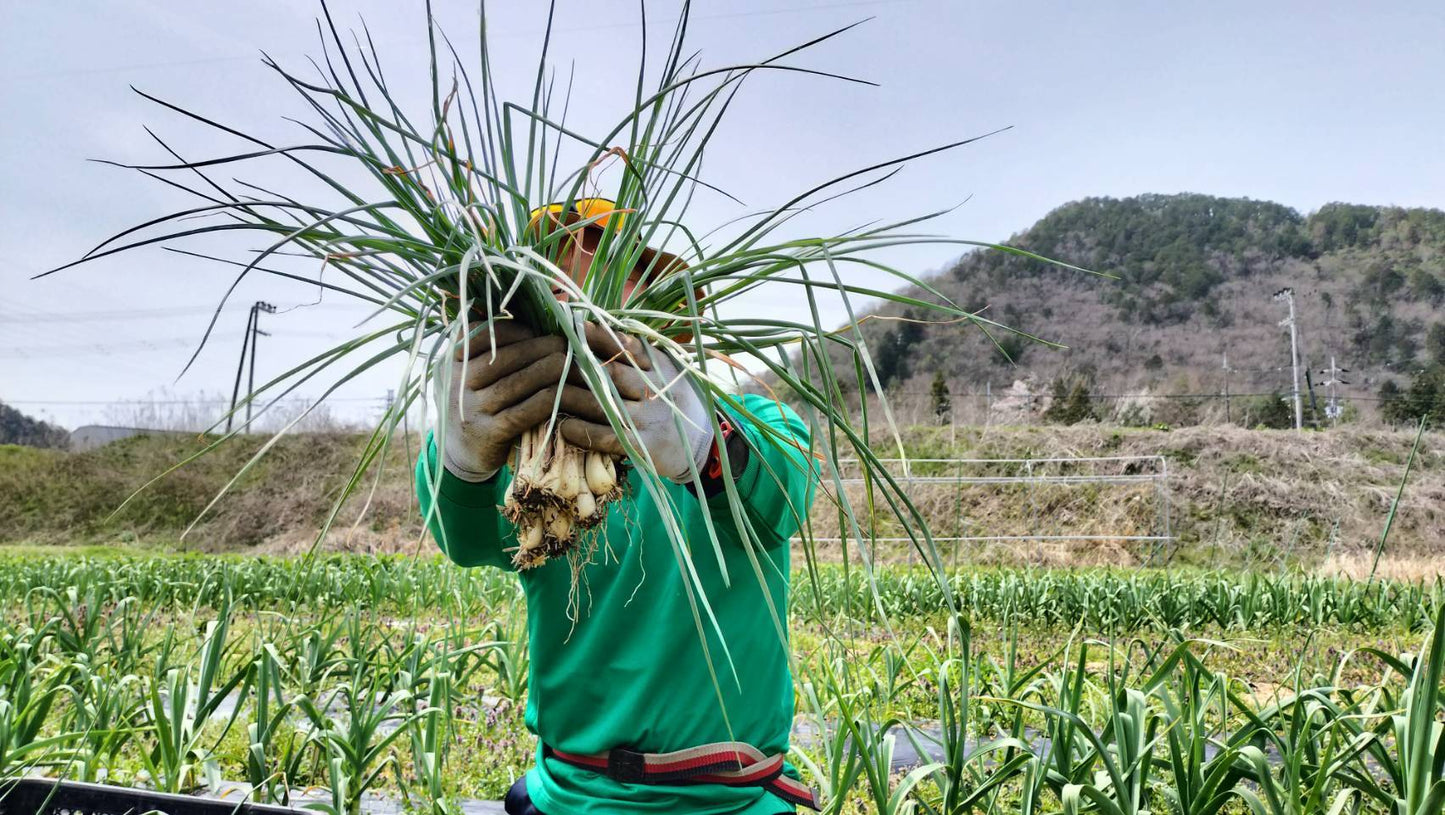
1357, 565
1269, 499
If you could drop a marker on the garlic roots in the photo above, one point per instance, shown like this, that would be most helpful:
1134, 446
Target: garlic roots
557, 491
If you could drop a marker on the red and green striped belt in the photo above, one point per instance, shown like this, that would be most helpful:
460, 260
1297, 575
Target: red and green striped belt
731, 763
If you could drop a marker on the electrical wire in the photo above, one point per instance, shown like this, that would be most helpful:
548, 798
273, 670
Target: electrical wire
121, 315
198, 401
187, 63
106, 348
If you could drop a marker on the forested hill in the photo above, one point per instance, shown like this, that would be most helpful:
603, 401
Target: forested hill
1194, 279
17, 428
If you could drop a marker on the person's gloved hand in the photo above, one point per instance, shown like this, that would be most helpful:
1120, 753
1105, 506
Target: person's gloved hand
491, 399
655, 420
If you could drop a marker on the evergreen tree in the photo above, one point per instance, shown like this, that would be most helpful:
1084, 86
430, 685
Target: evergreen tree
1424, 397
1435, 343
17, 428
891, 355
942, 399
1274, 412
1070, 404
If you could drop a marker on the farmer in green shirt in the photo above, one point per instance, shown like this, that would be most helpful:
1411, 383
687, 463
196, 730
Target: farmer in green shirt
632, 715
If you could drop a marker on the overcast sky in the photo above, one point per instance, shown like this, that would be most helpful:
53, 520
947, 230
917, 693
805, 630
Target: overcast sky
1301, 103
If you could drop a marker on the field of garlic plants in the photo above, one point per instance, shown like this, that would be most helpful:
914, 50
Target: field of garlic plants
358, 684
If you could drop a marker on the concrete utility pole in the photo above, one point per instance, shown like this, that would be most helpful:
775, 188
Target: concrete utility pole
1287, 295
240, 366
387, 403
248, 345
1333, 410
257, 334
1228, 414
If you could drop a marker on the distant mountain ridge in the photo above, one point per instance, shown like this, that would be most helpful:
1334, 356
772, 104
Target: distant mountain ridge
1193, 279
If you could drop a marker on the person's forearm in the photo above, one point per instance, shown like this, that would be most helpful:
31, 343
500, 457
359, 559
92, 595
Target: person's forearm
462, 516
775, 483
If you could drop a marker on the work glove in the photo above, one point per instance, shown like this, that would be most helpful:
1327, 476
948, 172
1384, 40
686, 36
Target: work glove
494, 392
677, 437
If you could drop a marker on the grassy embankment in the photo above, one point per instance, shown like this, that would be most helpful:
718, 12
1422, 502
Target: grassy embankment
1269, 499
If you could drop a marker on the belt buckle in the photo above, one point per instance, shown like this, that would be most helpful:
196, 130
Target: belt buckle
626, 766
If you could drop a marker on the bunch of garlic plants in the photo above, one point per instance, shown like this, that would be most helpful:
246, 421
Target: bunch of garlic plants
442, 246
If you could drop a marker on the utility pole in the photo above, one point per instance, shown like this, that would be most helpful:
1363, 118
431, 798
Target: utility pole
1332, 410
256, 333
1228, 414
1314, 403
248, 347
1287, 294
952, 426
241, 366
387, 403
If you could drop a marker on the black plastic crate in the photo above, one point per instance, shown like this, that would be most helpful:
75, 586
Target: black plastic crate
42, 796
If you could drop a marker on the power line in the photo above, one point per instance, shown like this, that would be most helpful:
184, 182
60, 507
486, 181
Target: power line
147, 402
105, 348
956, 394
125, 315
101, 348
151, 66
1235, 394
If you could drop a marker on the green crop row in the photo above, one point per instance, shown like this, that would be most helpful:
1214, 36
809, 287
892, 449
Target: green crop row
1120, 601
324, 682
1099, 600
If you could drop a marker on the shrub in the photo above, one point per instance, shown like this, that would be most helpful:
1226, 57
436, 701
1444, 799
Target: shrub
1070, 403
1425, 397
1275, 412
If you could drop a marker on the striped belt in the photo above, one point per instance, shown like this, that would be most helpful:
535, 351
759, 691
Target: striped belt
731, 763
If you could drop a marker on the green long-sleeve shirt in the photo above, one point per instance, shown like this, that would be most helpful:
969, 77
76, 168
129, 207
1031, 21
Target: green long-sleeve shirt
631, 671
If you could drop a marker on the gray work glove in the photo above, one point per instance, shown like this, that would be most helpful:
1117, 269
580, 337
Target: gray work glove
656, 422
491, 398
